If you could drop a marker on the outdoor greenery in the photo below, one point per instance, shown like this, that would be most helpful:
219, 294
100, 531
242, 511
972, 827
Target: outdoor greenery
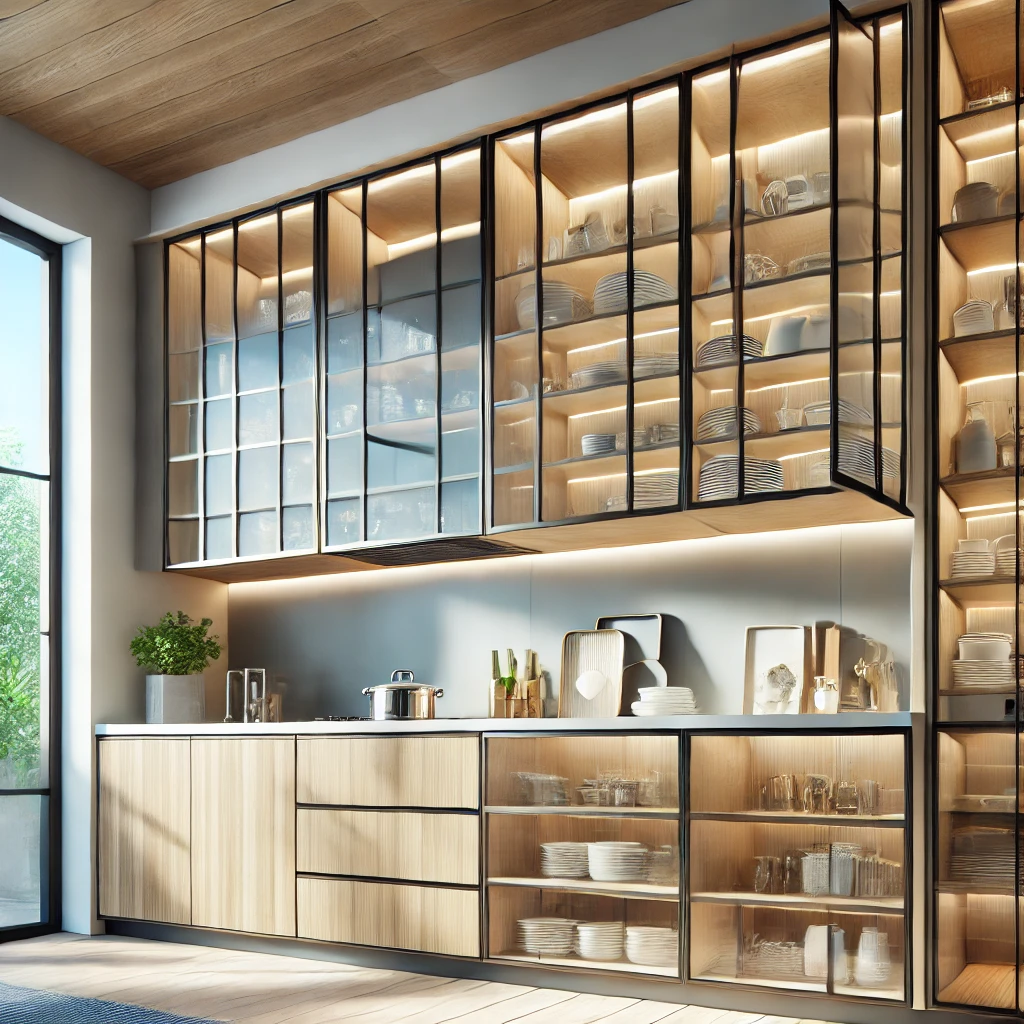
175, 646
19, 617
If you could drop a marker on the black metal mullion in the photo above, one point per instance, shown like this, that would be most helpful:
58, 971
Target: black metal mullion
685, 316
280, 379
538, 270
437, 343
366, 437
876, 253
319, 323
236, 518
630, 414
1017, 496
485, 367
833, 146
737, 216
904, 279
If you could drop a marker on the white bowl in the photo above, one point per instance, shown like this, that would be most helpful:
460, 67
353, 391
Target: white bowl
984, 650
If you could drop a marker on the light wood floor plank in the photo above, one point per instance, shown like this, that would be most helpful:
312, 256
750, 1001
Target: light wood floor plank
581, 1009
515, 1009
647, 1011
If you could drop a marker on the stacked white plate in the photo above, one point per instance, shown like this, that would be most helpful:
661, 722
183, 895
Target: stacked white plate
972, 563
977, 200
973, 317
610, 371
720, 424
655, 365
985, 646
857, 458
616, 862
1006, 561
562, 304
664, 700
653, 947
546, 936
599, 940
812, 261
610, 292
563, 860
820, 413
598, 444
989, 675
719, 477
652, 490
721, 351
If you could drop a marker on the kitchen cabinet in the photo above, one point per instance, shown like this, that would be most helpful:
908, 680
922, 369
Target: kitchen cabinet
144, 829
243, 834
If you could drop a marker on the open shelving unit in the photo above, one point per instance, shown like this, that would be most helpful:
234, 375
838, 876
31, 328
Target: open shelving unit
977, 252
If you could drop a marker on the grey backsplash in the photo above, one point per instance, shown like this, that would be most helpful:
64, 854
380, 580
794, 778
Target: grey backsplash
330, 636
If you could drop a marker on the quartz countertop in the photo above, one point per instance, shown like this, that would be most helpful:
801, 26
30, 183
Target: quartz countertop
742, 723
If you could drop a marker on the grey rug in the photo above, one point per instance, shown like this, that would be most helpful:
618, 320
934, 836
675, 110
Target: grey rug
31, 1006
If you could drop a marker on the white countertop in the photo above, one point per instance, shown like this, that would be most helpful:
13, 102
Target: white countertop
744, 723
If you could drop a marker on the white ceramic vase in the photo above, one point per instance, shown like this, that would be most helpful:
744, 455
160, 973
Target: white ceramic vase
175, 699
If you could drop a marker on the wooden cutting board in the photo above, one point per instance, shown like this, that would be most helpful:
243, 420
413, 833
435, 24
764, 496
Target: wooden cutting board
583, 650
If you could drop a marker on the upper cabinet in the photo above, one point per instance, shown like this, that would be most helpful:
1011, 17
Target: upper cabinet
562, 325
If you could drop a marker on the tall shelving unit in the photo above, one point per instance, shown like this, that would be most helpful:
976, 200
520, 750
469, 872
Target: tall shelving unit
977, 335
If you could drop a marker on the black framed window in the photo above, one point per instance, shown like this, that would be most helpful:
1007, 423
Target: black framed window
30, 281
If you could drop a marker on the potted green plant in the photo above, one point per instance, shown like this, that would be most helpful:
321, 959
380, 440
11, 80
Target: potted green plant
175, 653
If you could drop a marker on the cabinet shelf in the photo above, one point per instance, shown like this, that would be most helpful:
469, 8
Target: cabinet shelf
597, 965
989, 590
587, 811
798, 901
993, 353
799, 818
625, 890
797, 984
982, 243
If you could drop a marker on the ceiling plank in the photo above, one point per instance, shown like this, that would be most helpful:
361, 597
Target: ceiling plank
193, 67
144, 34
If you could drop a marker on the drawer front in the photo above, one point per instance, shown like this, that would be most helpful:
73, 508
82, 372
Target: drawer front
414, 845
389, 771
416, 917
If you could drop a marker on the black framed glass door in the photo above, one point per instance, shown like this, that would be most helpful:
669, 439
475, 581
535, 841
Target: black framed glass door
30, 281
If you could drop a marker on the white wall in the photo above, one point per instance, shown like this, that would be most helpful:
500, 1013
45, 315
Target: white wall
96, 215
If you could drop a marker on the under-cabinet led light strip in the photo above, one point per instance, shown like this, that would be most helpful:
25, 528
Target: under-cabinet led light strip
622, 341
997, 268
396, 249
622, 408
617, 476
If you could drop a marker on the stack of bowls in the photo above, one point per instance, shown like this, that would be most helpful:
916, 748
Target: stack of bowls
664, 700
617, 862
600, 940
653, 947
564, 860
546, 936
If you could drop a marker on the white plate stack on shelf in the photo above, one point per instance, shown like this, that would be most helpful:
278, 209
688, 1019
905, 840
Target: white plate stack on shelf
599, 940
616, 862
1005, 550
652, 947
973, 317
598, 444
719, 477
721, 351
546, 936
857, 458
653, 489
562, 305
600, 374
971, 559
819, 414
665, 700
720, 424
610, 293
564, 860
977, 200
656, 365
984, 662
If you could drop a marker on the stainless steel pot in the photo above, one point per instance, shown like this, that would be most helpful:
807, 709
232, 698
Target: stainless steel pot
402, 698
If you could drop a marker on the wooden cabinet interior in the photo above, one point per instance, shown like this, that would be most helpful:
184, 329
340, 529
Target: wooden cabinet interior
144, 830
243, 835
392, 771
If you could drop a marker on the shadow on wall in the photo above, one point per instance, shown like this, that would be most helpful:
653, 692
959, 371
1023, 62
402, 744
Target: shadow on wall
329, 637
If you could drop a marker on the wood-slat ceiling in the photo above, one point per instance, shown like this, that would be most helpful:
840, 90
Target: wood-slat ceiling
161, 89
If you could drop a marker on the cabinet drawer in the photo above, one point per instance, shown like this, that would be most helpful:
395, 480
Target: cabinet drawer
418, 917
389, 771
415, 845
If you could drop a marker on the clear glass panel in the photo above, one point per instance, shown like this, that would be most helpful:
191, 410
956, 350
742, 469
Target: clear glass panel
182, 541
297, 354
856, 379
345, 250
220, 370
460, 509
345, 465
656, 163
182, 493
183, 430
890, 135
219, 426
345, 403
343, 521
257, 477
710, 187
401, 514
184, 296
23, 822
345, 343
24, 355
299, 418
257, 534
297, 263
219, 494
219, 537
220, 277
258, 419
183, 377
257, 276
257, 362
460, 448
298, 474
460, 313
299, 532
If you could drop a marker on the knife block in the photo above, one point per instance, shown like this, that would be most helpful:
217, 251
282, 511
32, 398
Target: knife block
523, 702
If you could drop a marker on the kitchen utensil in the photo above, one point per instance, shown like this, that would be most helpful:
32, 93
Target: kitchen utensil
254, 700
591, 650
975, 443
873, 965
402, 698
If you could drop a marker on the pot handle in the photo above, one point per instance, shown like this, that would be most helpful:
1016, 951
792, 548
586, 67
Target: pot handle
439, 693
366, 691
403, 675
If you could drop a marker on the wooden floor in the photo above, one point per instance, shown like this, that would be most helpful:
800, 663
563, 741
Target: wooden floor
256, 988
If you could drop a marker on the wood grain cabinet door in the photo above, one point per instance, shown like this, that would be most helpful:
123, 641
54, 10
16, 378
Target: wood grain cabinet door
144, 834
243, 834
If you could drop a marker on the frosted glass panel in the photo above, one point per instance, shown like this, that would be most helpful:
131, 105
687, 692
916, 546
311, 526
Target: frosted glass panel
182, 497
298, 528
257, 477
258, 418
257, 533
183, 542
219, 428
220, 374
219, 498
298, 354
218, 537
257, 362
343, 521
298, 474
298, 411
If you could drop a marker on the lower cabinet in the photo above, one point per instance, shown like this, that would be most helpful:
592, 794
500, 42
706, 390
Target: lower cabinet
144, 830
243, 834
427, 918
